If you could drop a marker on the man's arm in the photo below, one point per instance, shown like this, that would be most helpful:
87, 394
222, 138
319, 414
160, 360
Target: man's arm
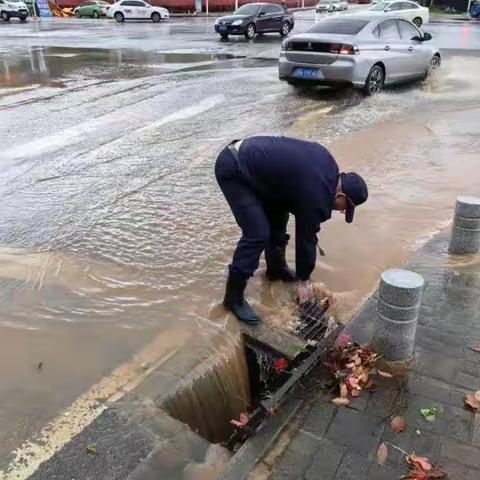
307, 225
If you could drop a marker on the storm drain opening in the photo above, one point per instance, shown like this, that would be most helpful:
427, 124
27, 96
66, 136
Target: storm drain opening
226, 398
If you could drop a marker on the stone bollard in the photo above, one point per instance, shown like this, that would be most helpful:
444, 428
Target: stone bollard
399, 300
466, 226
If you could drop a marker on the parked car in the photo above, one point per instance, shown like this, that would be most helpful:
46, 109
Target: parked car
91, 8
362, 51
409, 10
253, 18
13, 9
475, 9
136, 10
329, 6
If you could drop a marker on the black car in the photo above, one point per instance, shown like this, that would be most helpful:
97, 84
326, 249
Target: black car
254, 18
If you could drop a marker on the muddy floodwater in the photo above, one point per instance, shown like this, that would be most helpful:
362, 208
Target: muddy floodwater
114, 236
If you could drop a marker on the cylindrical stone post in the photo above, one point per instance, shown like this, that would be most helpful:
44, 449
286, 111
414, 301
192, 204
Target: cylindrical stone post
400, 295
466, 226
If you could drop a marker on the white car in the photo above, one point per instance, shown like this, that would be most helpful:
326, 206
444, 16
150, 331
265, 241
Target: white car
13, 8
408, 10
137, 10
331, 6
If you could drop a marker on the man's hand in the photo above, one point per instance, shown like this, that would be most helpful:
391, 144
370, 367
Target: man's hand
304, 291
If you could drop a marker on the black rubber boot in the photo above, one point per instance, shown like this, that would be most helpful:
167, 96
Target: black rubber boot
277, 268
234, 299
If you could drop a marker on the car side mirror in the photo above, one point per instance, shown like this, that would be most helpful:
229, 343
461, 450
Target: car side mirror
426, 37
417, 38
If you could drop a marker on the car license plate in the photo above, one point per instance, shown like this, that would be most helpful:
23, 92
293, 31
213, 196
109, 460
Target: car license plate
308, 73
222, 28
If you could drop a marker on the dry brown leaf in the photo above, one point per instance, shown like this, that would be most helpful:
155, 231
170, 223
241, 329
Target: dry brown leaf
476, 395
421, 463
382, 454
384, 374
340, 402
355, 392
472, 402
343, 390
398, 424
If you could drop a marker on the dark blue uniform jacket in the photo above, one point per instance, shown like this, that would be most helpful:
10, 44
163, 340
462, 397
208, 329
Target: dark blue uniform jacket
298, 176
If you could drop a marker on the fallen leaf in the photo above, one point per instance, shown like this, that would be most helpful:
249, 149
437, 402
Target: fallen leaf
343, 390
477, 395
340, 402
382, 454
91, 449
242, 422
422, 463
472, 402
398, 424
384, 374
475, 349
355, 392
436, 473
280, 364
343, 339
430, 413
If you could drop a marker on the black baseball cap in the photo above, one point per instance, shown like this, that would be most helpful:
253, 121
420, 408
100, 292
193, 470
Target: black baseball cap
355, 188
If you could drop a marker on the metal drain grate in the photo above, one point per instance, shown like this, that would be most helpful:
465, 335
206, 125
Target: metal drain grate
313, 321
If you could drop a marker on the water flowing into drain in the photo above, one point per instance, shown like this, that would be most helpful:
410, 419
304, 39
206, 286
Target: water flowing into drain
216, 392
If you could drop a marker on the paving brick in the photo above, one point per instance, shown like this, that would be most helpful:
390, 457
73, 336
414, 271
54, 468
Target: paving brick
401, 440
355, 430
325, 462
319, 417
298, 455
436, 365
467, 381
457, 398
383, 472
465, 454
432, 338
352, 467
278, 475
470, 368
457, 423
476, 431
456, 471
429, 388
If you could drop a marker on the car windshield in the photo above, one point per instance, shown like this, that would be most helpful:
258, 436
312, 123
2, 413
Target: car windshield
379, 7
338, 26
325, 2
247, 10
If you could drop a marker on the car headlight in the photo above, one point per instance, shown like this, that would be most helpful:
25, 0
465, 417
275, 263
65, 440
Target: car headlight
236, 23
217, 21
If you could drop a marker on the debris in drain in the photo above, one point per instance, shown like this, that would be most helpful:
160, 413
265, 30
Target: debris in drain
353, 368
272, 375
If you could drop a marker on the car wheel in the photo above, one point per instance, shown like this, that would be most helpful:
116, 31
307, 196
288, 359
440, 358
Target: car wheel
435, 62
5, 16
250, 31
375, 80
23, 19
119, 17
95, 14
77, 14
417, 21
156, 17
285, 29
224, 36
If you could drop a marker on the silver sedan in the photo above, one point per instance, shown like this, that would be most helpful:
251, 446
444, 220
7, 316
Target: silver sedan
357, 50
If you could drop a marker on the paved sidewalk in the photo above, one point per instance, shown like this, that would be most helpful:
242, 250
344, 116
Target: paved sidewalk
341, 443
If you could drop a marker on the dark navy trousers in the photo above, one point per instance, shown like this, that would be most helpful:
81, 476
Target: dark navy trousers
263, 225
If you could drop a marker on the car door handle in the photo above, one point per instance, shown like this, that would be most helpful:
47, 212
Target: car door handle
410, 49
387, 47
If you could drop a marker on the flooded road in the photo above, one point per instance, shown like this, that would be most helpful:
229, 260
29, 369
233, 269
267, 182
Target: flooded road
113, 232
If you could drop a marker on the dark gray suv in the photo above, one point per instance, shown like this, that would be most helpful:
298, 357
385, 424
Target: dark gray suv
254, 18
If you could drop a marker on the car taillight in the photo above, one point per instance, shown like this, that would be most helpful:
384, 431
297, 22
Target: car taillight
344, 49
